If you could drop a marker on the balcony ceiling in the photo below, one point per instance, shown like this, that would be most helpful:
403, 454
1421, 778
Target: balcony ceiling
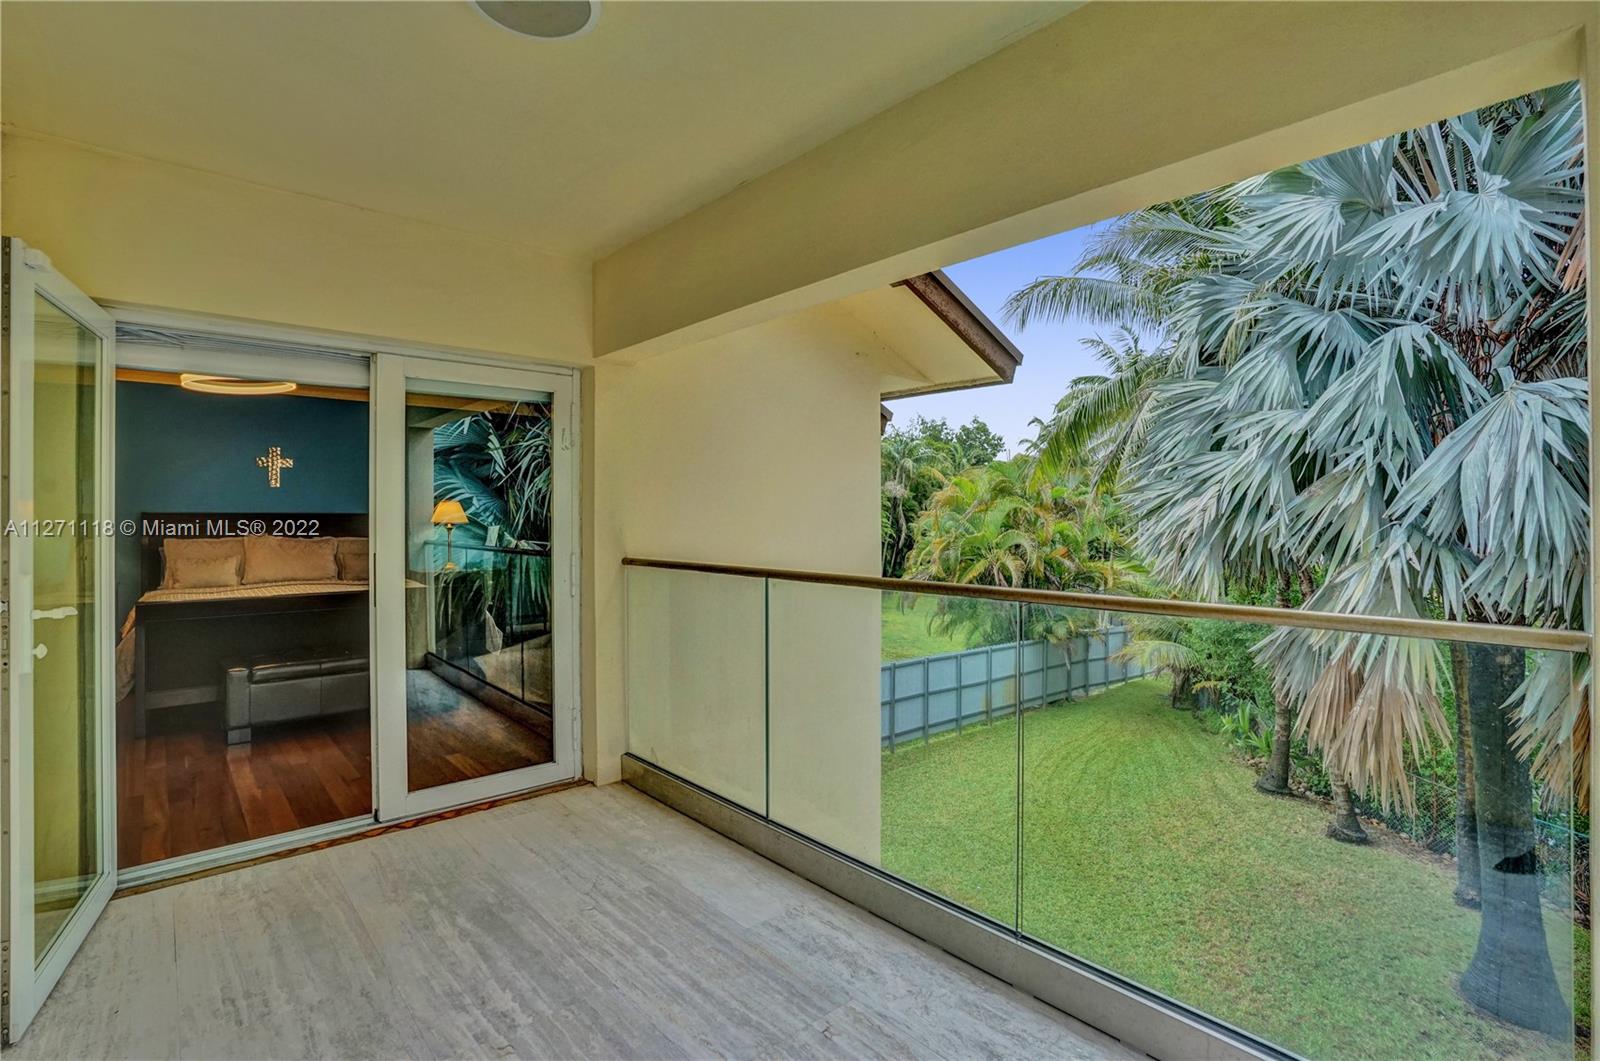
428, 111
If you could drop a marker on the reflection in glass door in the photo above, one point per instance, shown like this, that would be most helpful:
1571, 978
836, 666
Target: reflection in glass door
473, 583
65, 735
60, 852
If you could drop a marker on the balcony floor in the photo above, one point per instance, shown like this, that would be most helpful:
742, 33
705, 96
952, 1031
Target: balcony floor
587, 923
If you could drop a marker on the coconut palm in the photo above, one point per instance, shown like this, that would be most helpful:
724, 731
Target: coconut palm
1103, 420
1371, 365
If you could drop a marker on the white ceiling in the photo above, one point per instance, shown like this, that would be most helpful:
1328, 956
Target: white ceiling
429, 111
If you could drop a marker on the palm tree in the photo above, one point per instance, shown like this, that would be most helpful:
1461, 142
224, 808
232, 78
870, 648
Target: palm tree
1371, 365
1157, 646
1103, 420
1007, 524
912, 469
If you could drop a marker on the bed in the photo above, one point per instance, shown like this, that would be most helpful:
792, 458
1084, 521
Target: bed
192, 620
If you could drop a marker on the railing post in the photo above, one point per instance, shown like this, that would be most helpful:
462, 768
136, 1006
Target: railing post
894, 704
988, 685
961, 671
927, 700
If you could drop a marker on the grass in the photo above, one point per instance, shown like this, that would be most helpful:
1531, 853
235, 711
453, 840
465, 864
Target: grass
905, 628
1147, 851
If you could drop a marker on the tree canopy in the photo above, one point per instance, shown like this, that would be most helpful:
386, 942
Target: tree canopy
1368, 365
916, 461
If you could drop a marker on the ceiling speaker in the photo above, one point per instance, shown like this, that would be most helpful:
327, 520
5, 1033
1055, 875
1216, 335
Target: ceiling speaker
544, 19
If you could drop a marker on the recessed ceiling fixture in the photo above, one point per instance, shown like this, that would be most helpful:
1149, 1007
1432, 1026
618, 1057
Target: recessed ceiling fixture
548, 20
194, 381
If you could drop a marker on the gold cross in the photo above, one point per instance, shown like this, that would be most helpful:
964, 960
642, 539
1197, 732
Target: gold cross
274, 462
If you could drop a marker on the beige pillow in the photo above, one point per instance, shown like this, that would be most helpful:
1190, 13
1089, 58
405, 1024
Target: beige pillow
207, 572
269, 558
185, 557
352, 555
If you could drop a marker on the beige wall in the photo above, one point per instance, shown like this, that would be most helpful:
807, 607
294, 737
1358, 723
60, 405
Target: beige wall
759, 447
135, 231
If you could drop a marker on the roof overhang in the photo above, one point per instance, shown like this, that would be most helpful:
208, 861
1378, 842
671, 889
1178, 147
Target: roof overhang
935, 338
969, 324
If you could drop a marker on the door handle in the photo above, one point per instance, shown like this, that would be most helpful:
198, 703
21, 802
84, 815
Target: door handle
64, 612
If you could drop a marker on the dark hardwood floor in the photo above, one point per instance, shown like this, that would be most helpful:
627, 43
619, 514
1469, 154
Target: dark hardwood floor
183, 788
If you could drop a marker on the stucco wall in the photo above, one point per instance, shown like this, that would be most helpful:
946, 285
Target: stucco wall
759, 447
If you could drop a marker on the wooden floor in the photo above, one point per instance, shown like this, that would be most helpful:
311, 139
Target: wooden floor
183, 788
587, 923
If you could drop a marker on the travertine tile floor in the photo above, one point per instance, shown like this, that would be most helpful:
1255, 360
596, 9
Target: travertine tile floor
593, 922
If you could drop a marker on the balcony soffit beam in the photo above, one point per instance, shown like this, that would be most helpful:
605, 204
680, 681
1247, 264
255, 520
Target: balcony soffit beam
1111, 108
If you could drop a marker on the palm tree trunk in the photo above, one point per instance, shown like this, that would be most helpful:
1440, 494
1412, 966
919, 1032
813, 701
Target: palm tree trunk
1345, 826
1510, 975
1182, 692
1275, 780
1466, 791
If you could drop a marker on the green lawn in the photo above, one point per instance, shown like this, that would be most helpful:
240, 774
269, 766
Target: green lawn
1148, 852
905, 628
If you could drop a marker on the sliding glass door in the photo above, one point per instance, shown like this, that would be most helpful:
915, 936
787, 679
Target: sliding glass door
60, 851
473, 582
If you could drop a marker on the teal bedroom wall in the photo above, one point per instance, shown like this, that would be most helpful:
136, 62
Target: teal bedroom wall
180, 451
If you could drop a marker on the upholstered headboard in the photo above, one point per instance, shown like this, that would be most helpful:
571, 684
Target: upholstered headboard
156, 526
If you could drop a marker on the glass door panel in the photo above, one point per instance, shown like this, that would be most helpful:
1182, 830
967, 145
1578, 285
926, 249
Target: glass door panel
65, 732
475, 556
243, 712
60, 854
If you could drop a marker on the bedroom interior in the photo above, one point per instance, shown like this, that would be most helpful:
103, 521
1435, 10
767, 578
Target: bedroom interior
244, 704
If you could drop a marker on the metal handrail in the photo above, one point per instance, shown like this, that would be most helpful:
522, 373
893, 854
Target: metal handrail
507, 549
1437, 629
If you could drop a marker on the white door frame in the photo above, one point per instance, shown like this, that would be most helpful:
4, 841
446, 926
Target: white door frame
30, 270
185, 341
390, 373
29, 977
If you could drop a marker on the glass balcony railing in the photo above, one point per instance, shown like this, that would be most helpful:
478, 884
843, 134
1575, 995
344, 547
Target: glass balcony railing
1092, 781
490, 618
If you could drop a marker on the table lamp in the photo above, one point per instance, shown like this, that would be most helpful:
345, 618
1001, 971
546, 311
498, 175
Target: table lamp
450, 515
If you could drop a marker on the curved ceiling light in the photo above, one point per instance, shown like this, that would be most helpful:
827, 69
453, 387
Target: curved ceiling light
194, 381
548, 20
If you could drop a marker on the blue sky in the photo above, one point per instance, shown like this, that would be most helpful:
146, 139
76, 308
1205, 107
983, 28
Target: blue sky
1052, 354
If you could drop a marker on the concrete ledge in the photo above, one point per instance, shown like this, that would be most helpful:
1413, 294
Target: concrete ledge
1141, 1019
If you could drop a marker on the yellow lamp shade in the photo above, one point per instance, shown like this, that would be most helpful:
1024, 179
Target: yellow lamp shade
449, 513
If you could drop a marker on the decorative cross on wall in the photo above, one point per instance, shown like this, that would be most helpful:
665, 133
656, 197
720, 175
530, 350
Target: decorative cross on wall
274, 462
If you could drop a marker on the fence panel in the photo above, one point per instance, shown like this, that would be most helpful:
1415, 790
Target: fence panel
934, 694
